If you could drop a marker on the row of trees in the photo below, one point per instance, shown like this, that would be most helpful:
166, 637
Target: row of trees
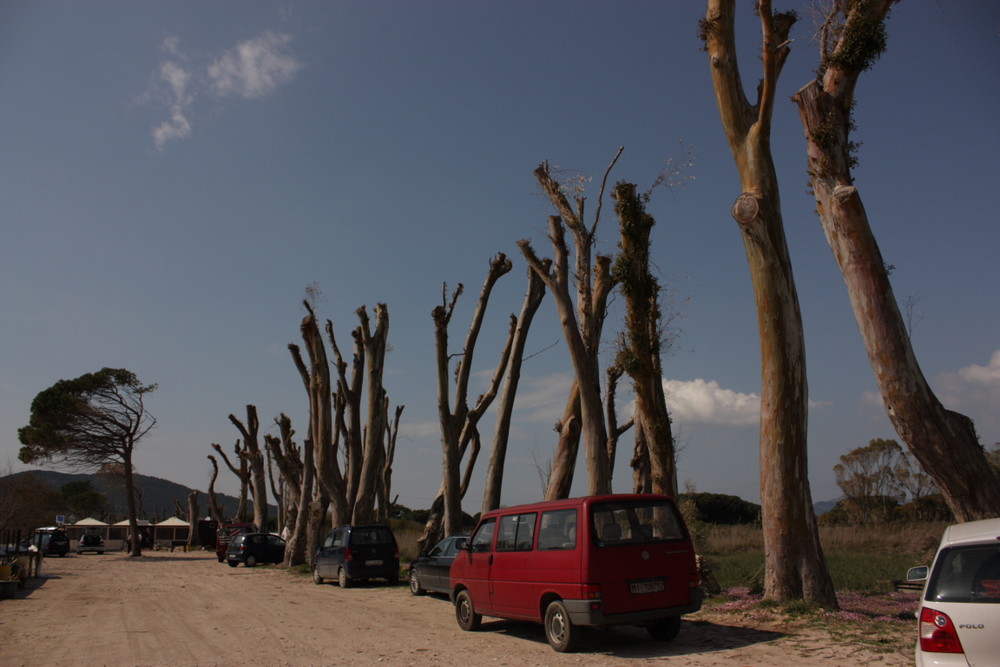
342, 470
882, 482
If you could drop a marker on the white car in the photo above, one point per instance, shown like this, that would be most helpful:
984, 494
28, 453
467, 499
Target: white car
959, 616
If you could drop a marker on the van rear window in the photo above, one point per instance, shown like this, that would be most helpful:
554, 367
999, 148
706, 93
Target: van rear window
635, 522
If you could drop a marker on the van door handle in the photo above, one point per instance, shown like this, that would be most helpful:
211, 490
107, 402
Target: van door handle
490, 561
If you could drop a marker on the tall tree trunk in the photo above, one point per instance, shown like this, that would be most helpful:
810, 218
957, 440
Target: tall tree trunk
505, 410
794, 565
242, 473
944, 442
128, 477
374, 451
640, 352
192, 519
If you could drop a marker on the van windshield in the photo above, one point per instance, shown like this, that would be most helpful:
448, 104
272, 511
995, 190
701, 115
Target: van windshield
635, 522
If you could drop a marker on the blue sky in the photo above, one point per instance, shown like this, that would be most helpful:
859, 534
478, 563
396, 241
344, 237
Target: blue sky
173, 176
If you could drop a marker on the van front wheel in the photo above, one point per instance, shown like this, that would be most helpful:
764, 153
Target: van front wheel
665, 629
560, 632
465, 613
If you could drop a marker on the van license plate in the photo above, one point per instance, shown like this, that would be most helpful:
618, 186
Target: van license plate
639, 587
372, 563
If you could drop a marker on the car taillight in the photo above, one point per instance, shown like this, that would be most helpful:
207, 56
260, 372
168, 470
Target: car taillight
592, 593
348, 556
937, 633
695, 580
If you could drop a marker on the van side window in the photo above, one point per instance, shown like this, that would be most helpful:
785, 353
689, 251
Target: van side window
483, 539
558, 530
517, 532
338, 539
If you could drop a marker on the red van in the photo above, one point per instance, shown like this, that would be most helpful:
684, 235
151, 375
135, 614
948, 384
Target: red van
595, 561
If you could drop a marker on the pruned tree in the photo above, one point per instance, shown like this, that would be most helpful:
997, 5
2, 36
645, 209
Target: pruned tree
639, 351
90, 422
374, 452
459, 421
254, 457
242, 473
505, 409
944, 442
582, 325
385, 480
213, 499
794, 564
615, 430
297, 469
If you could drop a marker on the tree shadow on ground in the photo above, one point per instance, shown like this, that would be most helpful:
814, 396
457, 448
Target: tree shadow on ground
695, 637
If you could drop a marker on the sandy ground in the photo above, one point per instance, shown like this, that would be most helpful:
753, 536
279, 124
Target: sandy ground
189, 609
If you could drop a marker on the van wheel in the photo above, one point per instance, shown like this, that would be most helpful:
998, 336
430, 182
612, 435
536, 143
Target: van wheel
664, 629
342, 578
560, 632
415, 587
465, 613
316, 578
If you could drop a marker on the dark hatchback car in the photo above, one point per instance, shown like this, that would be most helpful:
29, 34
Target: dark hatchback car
430, 571
51, 541
357, 553
253, 548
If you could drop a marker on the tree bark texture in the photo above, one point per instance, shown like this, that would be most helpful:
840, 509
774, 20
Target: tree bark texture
373, 458
794, 564
192, 513
944, 442
213, 499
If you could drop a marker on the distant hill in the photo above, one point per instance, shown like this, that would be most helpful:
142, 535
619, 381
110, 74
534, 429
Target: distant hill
825, 506
158, 495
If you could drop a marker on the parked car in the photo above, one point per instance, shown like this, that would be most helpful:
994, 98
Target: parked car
51, 541
430, 571
357, 553
226, 533
597, 561
253, 548
90, 541
959, 615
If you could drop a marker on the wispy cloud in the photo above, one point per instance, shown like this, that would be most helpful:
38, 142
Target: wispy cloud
974, 390
253, 69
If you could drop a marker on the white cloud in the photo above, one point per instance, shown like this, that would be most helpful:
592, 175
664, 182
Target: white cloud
255, 68
705, 402
984, 376
252, 70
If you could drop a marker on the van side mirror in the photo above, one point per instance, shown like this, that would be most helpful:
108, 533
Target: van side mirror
917, 573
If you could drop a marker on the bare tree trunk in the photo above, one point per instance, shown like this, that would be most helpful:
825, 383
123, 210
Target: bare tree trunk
564, 460
242, 473
213, 500
944, 442
255, 461
582, 325
459, 424
374, 451
640, 350
192, 519
494, 472
794, 564
385, 489
615, 431
128, 477
349, 403
316, 379
642, 469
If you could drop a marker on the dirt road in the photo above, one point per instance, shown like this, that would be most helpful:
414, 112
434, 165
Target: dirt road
188, 609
